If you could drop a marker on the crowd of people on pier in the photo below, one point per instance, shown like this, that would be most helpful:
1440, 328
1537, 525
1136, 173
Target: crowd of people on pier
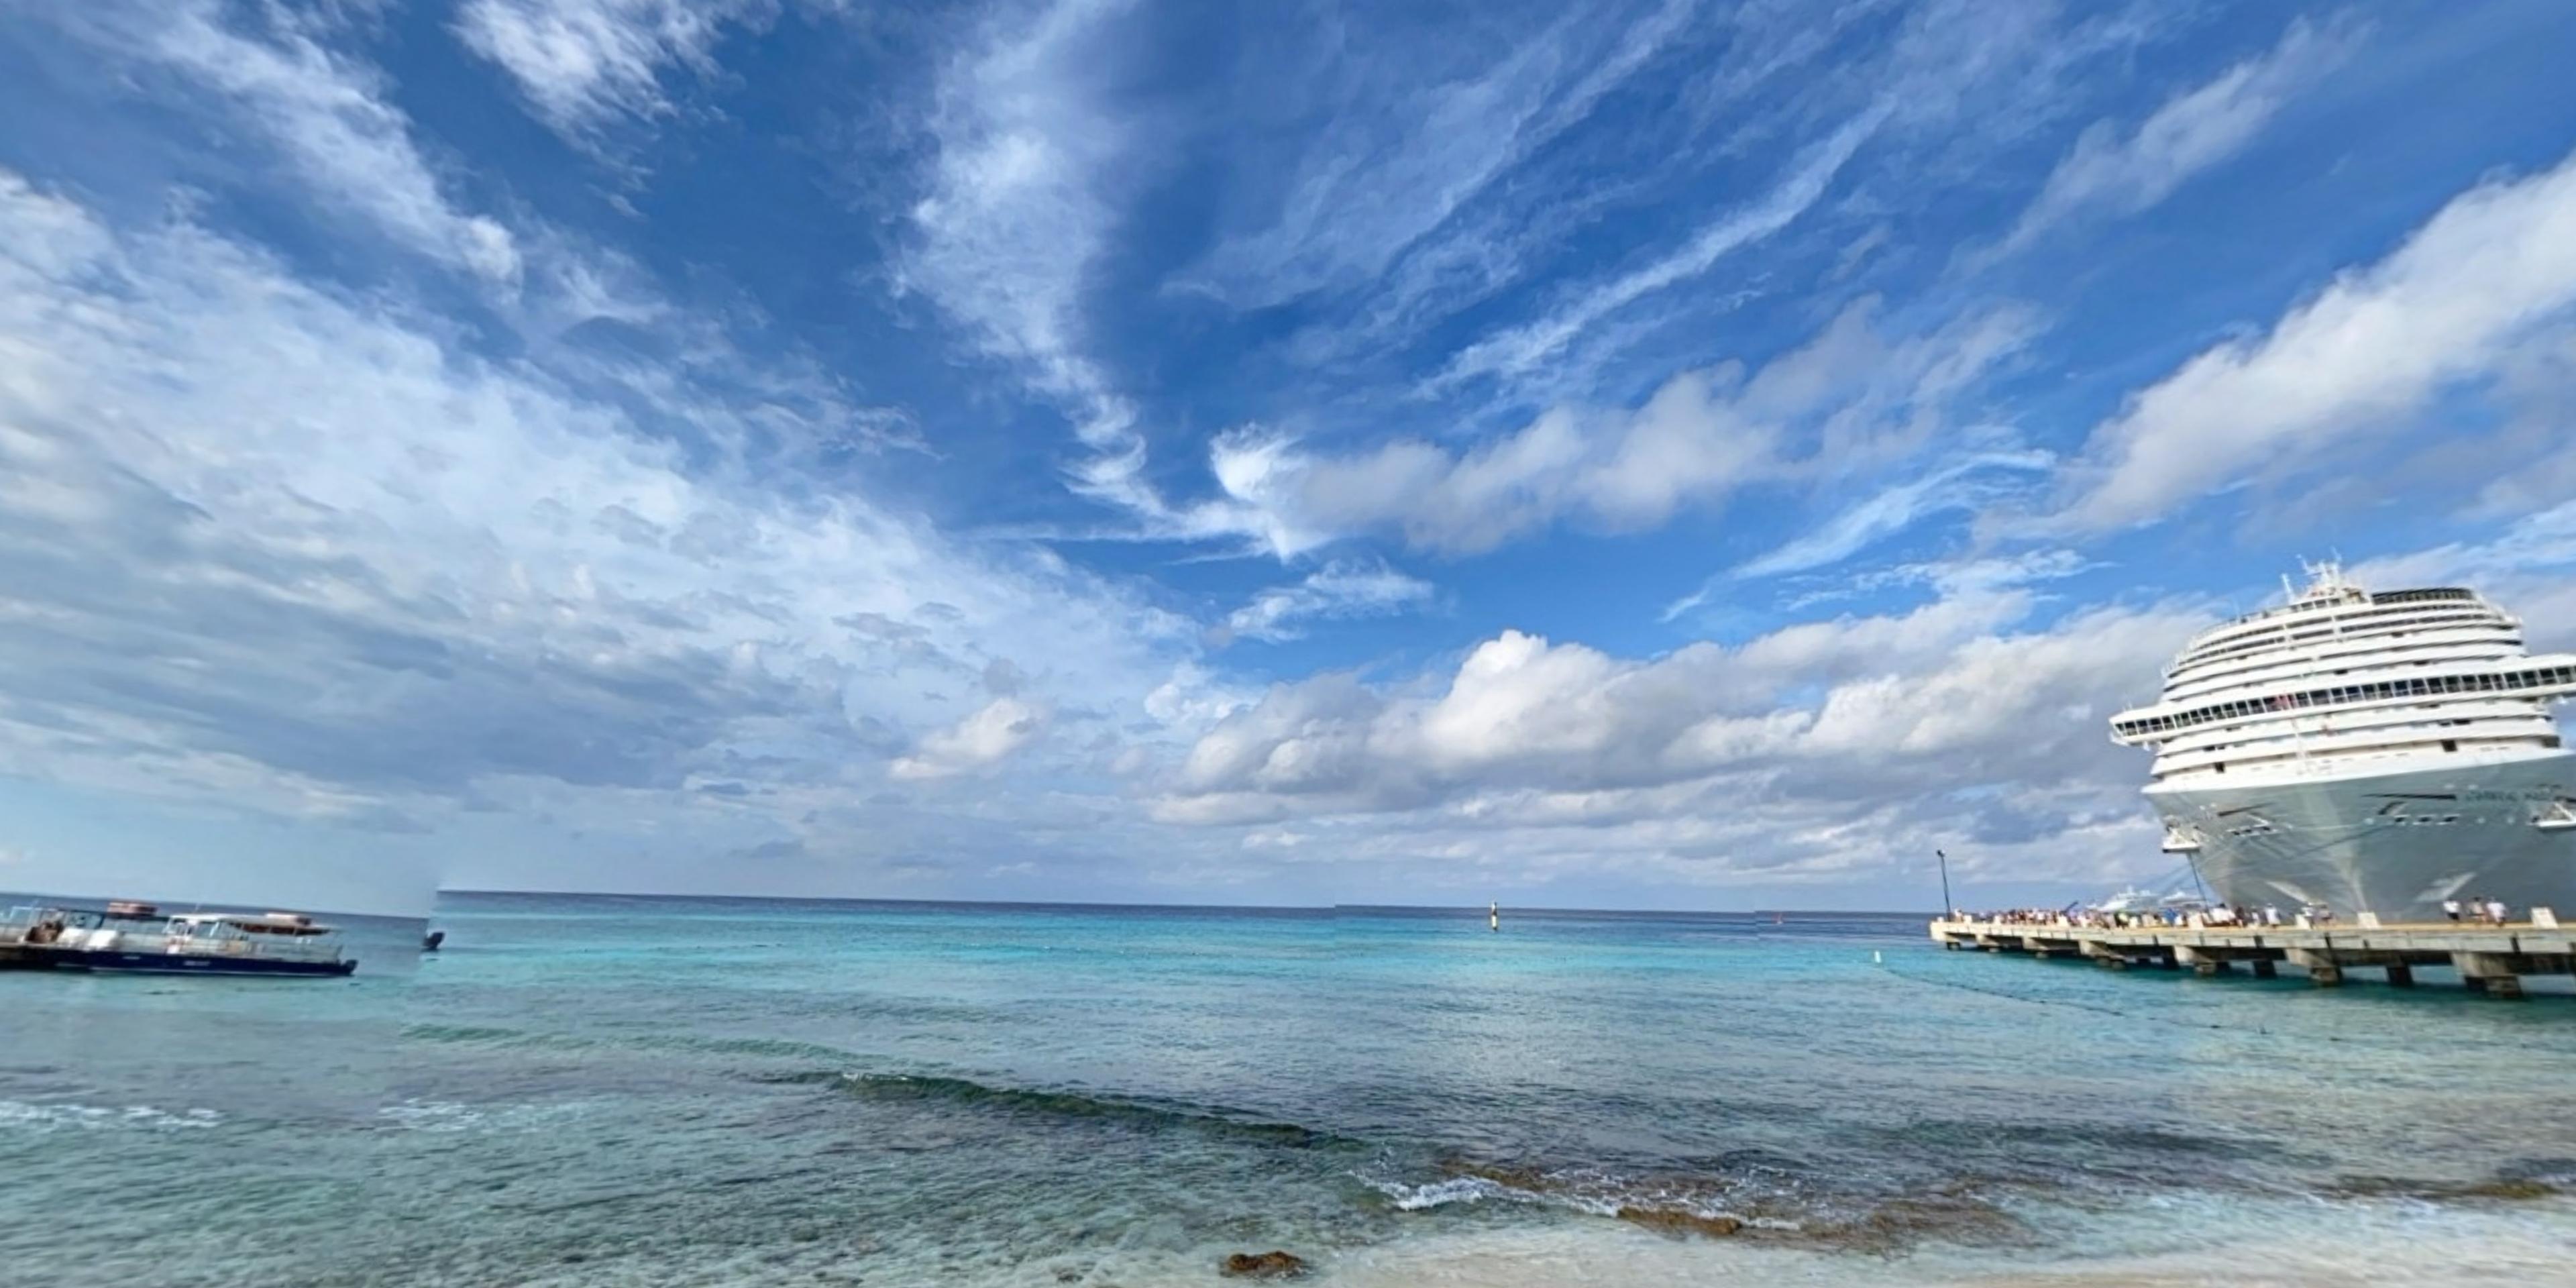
2475, 909
2480, 909
2212, 915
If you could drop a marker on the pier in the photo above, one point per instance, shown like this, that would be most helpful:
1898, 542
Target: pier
2490, 959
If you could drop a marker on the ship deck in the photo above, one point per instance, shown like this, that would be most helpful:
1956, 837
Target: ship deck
2490, 959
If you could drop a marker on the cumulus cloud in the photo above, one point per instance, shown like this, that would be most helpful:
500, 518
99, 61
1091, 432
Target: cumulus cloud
1955, 696
583, 62
1693, 441
2445, 309
2120, 174
980, 741
1338, 591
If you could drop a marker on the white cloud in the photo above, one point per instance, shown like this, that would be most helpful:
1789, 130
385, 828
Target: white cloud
282, 550
1826, 747
1953, 486
980, 741
1019, 208
1694, 441
1407, 146
1514, 351
1338, 591
582, 62
1844, 400
2525, 568
2445, 309
2188, 134
324, 112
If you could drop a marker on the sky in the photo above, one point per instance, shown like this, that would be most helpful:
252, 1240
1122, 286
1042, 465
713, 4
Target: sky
1668, 454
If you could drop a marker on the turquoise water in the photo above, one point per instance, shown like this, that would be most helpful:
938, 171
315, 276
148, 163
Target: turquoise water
654, 1091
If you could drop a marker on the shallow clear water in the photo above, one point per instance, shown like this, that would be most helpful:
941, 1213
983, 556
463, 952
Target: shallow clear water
645, 1091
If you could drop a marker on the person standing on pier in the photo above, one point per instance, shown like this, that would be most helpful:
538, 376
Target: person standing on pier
2451, 909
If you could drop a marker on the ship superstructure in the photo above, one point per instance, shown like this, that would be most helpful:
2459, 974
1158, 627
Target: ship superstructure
2369, 751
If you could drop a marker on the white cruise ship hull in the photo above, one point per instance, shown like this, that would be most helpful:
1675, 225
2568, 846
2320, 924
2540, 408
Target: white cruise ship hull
2395, 844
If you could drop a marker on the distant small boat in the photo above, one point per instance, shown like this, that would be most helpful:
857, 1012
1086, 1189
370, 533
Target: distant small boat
134, 938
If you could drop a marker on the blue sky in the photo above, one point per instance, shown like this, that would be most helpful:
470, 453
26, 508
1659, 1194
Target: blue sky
1671, 454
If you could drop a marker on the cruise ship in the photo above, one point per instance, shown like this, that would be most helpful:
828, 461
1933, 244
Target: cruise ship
2370, 752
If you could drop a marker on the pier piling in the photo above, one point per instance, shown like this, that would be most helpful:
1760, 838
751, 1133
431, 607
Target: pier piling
2491, 959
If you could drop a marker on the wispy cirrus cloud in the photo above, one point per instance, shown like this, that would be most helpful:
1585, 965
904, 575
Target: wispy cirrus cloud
584, 63
1342, 590
1846, 397
1964, 484
1020, 204
1405, 151
1511, 352
323, 111
2121, 174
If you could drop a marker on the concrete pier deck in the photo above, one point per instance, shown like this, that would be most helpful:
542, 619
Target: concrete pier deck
2490, 959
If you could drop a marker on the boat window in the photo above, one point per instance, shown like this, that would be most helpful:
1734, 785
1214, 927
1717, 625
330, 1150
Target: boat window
2450, 744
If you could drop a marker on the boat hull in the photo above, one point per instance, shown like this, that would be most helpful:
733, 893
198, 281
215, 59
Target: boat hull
103, 961
2394, 844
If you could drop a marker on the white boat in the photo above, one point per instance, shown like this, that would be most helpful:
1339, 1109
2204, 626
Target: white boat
135, 938
2367, 752
2131, 900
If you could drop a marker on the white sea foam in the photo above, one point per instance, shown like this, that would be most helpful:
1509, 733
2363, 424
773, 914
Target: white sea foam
1463, 1189
455, 1116
19, 1115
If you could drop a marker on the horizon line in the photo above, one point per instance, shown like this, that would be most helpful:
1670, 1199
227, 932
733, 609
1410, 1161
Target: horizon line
1198, 907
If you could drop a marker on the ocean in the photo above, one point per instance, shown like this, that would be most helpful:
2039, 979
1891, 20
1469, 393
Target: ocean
658, 1091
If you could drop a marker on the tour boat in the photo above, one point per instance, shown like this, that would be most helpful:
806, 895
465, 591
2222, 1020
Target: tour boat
136, 938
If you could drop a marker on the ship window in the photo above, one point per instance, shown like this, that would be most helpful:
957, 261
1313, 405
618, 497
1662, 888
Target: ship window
2450, 744
2220, 767
2549, 740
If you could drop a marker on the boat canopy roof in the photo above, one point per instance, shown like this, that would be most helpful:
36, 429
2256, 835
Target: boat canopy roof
260, 923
